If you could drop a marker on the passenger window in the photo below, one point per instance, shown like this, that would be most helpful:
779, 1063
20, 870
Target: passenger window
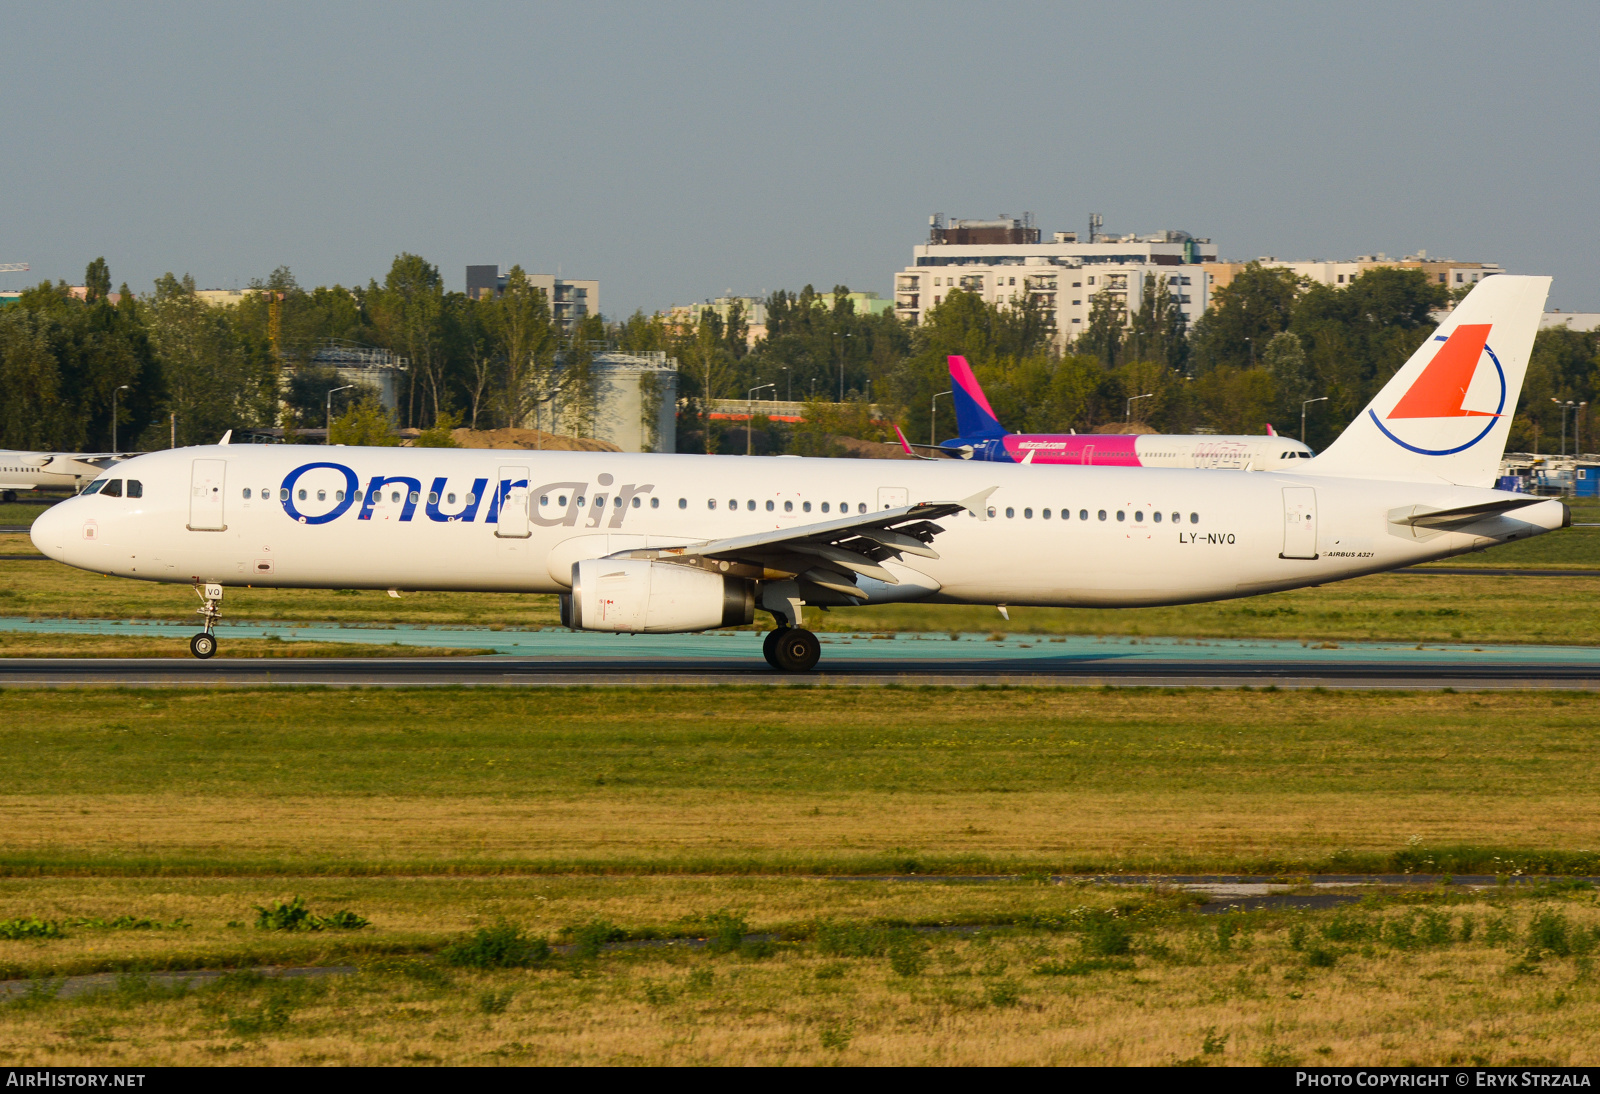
358, 494
1010, 512
805, 507
637, 502
991, 512
1138, 515
544, 499
788, 507
770, 506
113, 489
412, 497
1158, 518
750, 505
1045, 513
1083, 514
247, 493
1177, 518
283, 493
1102, 514
266, 493
1194, 518
733, 503
322, 495
1027, 514
338, 495
861, 507
94, 487
580, 501
562, 500
824, 507
301, 494
1121, 515
433, 497
472, 499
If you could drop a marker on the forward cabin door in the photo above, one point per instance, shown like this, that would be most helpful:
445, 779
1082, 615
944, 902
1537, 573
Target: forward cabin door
513, 487
206, 491
1299, 522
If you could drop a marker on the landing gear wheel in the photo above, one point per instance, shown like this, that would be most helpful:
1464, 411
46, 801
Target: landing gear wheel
769, 646
796, 650
203, 645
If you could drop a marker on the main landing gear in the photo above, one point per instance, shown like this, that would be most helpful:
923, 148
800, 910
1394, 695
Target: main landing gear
791, 649
204, 644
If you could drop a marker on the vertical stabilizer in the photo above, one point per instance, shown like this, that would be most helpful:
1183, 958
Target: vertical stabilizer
974, 418
1446, 414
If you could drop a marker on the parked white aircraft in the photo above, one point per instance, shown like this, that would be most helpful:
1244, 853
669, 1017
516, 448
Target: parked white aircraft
32, 470
659, 543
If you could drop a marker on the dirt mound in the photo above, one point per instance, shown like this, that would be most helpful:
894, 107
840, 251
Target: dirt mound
1124, 428
528, 439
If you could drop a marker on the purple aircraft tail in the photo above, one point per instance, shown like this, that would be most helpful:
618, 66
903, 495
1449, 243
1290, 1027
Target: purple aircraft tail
974, 418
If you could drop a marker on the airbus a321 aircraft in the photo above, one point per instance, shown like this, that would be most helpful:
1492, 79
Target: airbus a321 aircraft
665, 543
984, 438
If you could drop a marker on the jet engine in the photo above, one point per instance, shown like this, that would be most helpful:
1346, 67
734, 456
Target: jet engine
639, 596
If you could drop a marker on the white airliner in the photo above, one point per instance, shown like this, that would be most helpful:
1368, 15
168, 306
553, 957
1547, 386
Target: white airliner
32, 470
665, 543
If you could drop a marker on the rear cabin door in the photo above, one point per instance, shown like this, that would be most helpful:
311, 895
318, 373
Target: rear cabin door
206, 491
893, 497
513, 516
1299, 522
1088, 455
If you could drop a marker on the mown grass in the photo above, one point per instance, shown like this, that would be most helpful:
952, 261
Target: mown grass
1095, 977
806, 780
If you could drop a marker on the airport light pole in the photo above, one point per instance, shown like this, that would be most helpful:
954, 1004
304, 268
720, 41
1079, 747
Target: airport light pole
788, 384
1127, 413
1308, 402
328, 439
1577, 429
933, 417
750, 417
114, 391
842, 343
1564, 407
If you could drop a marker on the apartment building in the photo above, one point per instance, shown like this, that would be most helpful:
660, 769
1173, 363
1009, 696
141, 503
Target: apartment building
570, 300
1005, 261
1443, 271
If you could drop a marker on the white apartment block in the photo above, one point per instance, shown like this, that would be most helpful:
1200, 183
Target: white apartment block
570, 300
1004, 262
1443, 271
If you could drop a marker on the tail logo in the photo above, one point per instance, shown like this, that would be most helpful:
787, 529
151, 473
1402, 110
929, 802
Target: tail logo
1447, 407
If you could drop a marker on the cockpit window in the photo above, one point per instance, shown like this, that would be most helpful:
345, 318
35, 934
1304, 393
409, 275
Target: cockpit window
93, 487
112, 489
135, 488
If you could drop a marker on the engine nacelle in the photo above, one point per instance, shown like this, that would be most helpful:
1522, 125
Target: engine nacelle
638, 596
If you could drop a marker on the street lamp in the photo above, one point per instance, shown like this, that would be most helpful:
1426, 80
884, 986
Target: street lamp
788, 384
750, 417
1577, 429
328, 439
1569, 404
114, 391
842, 336
1308, 402
933, 417
1127, 413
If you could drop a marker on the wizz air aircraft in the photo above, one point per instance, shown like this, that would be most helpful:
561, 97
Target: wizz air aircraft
666, 543
984, 438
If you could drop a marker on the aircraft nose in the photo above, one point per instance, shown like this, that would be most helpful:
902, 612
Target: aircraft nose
50, 528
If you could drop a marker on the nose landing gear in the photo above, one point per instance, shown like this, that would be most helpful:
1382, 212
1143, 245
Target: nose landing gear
204, 644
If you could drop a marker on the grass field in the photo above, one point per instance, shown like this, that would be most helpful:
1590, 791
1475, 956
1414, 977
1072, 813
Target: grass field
143, 830
1061, 974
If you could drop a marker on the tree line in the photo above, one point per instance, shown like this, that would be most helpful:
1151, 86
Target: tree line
177, 368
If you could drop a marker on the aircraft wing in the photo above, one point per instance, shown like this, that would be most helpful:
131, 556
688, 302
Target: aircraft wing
830, 553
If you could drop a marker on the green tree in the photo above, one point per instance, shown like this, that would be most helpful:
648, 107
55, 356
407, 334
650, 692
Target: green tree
1243, 317
367, 423
520, 320
407, 313
96, 281
213, 383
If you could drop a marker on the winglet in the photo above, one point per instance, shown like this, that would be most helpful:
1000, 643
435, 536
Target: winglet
975, 504
1270, 431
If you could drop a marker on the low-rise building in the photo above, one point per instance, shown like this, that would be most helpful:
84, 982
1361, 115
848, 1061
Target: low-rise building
1571, 320
631, 401
1005, 261
1442, 271
570, 299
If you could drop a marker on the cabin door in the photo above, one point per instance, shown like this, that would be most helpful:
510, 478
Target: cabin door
206, 489
1299, 522
1088, 455
513, 515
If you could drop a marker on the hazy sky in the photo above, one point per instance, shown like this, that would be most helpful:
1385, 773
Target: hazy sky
677, 151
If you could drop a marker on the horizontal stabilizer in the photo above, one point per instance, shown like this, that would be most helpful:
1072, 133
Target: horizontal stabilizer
1444, 520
